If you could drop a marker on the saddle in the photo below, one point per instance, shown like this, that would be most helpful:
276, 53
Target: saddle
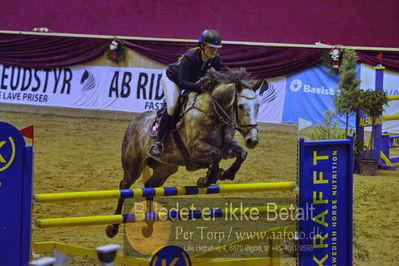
154, 127
178, 115
176, 120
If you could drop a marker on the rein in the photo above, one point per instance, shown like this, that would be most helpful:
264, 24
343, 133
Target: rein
222, 116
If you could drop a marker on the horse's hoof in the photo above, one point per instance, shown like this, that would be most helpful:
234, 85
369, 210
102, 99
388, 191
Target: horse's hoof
147, 230
202, 182
222, 178
222, 175
231, 178
112, 230
227, 175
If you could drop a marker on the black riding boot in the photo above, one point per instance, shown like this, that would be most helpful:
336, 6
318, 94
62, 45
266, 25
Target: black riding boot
163, 129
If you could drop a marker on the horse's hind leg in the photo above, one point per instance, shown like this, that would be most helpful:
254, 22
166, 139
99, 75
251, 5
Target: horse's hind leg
161, 172
213, 172
130, 176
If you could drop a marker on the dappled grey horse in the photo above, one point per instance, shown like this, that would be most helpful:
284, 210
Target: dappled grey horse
204, 134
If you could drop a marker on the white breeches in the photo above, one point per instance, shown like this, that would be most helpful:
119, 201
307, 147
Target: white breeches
172, 93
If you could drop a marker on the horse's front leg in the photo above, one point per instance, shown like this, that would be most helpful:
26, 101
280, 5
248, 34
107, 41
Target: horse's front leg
241, 155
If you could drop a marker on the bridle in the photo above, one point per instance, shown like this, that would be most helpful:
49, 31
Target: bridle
223, 117
242, 126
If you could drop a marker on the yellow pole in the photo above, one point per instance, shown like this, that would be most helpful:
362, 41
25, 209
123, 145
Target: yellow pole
260, 209
393, 97
180, 190
74, 221
257, 187
391, 117
77, 196
118, 219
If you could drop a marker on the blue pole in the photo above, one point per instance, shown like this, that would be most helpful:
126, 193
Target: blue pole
379, 85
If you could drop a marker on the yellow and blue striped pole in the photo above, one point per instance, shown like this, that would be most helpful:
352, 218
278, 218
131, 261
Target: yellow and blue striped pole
163, 191
155, 216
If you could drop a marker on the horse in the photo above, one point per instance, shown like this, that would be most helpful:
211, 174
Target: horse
203, 136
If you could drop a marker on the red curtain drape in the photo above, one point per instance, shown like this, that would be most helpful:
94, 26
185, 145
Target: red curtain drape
261, 61
38, 51
390, 59
35, 51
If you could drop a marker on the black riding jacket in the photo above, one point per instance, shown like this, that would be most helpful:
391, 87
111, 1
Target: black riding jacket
190, 69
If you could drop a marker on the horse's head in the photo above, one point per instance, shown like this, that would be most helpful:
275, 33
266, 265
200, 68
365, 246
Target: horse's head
247, 112
235, 89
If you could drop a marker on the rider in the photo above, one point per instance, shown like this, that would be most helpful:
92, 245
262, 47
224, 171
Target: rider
185, 75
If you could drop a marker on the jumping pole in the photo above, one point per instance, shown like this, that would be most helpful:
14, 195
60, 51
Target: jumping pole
163, 192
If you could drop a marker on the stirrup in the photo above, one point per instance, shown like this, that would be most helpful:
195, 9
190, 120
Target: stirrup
157, 149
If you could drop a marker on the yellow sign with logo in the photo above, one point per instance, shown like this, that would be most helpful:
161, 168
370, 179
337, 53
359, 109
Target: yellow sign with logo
6, 159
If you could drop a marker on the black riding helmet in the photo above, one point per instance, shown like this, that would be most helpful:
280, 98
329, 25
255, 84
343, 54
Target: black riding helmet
210, 38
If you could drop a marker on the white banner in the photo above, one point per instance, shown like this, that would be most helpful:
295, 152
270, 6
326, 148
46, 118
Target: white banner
94, 87
271, 96
108, 88
391, 87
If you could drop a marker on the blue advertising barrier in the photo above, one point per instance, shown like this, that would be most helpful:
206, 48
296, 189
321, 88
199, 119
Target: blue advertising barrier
325, 189
16, 163
309, 94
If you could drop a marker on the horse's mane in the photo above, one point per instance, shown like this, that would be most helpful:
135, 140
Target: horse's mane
237, 76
